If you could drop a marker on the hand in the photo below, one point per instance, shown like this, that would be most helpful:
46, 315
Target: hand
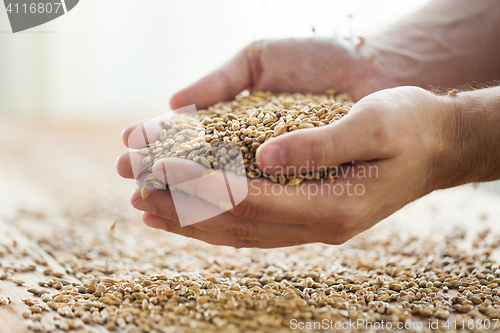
398, 135
288, 65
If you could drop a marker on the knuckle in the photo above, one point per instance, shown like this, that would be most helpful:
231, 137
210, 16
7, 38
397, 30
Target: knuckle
334, 228
335, 239
253, 54
247, 209
319, 150
385, 141
224, 79
190, 232
381, 134
239, 230
170, 215
343, 224
243, 243
256, 46
375, 118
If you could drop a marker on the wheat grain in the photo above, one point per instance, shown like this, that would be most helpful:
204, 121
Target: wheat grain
246, 123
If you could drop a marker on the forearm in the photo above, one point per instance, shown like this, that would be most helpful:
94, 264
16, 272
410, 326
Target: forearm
474, 144
448, 43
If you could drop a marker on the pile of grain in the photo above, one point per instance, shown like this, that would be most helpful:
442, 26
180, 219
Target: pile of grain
216, 136
148, 281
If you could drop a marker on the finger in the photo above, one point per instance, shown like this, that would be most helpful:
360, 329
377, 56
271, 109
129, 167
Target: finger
129, 165
218, 187
228, 224
357, 137
140, 133
142, 204
272, 202
306, 213
226, 82
233, 226
257, 199
123, 166
127, 130
176, 205
208, 237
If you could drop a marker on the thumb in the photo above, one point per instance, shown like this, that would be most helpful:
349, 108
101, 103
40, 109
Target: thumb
353, 138
238, 74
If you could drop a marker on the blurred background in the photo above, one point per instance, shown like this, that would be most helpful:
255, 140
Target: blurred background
125, 58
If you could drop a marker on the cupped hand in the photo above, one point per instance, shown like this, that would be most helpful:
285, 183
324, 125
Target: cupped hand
289, 65
398, 141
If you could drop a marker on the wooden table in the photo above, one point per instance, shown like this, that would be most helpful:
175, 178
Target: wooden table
42, 161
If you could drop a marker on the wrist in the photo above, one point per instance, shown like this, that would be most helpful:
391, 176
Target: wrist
473, 136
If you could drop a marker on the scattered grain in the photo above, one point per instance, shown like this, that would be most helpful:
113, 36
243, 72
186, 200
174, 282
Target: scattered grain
144, 193
18, 282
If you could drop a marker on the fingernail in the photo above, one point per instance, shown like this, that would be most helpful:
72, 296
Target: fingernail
157, 167
274, 156
144, 205
160, 172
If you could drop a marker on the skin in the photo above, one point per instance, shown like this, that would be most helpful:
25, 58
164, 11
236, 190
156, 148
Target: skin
417, 141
